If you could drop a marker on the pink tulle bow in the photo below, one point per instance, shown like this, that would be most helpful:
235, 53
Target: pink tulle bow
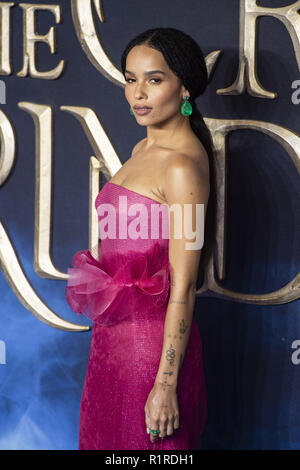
91, 289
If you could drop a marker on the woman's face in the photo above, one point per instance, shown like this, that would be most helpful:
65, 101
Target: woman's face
161, 91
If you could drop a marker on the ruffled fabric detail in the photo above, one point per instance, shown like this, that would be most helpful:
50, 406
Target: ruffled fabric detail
102, 289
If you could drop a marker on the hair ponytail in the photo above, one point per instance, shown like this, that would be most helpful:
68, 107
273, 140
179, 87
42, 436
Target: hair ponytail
203, 133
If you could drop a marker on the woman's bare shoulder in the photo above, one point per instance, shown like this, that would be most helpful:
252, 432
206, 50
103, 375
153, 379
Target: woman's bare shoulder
138, 146
183, 169
192, 155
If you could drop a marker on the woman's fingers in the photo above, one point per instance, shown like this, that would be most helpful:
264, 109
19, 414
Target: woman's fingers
163, 426
176, 421
147, 422
166, 425
170, 427
154, 424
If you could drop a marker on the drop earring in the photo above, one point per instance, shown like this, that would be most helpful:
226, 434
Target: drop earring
186, 108
131, 112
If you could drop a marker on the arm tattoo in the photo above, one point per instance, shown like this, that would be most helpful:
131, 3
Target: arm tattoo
164, 385
170, 355
182, 327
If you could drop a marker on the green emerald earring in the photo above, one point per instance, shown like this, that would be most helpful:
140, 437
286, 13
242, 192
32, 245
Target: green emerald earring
131, 112
186, 108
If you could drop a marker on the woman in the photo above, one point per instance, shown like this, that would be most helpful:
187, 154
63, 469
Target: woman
145, 386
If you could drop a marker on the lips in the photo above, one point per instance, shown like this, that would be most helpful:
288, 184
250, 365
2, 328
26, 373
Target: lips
141, 107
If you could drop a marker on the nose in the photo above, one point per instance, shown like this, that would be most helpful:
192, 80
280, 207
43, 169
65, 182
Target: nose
139, 92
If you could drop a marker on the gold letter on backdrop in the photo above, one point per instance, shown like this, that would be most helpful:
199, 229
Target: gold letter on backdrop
5, 67
30, 37
219, 129
15, 276
9, 262
7, 155
247, 74
91, 43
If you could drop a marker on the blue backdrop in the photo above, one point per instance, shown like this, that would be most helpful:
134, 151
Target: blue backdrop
252, 383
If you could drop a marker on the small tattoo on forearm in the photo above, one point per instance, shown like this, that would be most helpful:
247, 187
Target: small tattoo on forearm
164, 384
168, 373
182, 327
170, 355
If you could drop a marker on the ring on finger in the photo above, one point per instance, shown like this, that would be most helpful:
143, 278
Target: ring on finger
154, 431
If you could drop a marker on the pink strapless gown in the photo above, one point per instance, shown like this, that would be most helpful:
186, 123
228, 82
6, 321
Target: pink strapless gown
125, 292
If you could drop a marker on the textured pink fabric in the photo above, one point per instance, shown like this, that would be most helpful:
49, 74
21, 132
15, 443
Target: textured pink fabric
125, 292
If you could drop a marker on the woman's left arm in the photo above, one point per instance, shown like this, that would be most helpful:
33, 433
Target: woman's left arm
186, 188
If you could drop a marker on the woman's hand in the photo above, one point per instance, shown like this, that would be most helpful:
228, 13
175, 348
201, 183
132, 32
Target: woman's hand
162, 411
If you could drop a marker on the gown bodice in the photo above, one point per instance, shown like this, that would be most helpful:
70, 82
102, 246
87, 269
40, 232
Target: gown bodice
133, 257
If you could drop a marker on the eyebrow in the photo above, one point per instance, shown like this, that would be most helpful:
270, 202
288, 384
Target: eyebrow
150, 72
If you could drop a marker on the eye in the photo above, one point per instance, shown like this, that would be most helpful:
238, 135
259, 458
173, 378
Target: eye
157, 80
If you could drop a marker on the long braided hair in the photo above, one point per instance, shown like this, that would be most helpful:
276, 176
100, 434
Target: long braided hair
185, 58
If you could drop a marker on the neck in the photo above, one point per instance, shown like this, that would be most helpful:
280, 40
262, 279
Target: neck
170, 131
